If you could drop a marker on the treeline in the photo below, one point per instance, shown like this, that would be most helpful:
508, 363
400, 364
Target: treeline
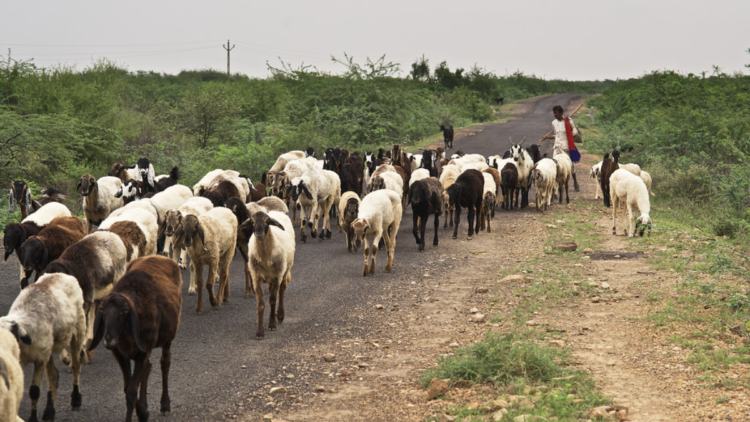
693, 134
57, 124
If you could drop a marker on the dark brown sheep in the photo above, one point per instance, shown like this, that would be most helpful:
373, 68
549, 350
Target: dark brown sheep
38, 251
140, 314
220, 193
609, 166
467, 193
509, 185
426, 199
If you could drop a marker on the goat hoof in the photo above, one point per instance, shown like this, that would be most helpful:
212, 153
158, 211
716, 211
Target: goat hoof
165, 412
328, 234
191, 292
259, 336
271, 328
454, 237
75, 398
49, 414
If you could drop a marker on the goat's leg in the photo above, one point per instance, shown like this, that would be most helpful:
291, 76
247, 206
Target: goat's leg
131, 391
366, 267
630, 225
374, 251
457, 218
422, 229
437, 225
34, 389
559, 193
141, 405
282, 290
224, 263
76, 349
193, 286
313, 224
470, 214
198, 277
614, 216
390, 245
414, 230
165, 362
248, 280
52, 379
210, 281
260, 299
273, 292
330, 204
567, 196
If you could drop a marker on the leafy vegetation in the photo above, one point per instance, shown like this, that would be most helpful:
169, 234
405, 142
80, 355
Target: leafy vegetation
692, 133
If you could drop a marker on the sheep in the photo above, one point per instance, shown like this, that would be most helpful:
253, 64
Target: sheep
492, 161
140, 314
387, 180
419, 174
473, 158
596, 173
45, 318
629, 189
284, 180
272, 203
416, 161
379, 216
509, 184
206, 182
99, 198
11, 376
543, 177
219, 194
281, 162
426, 197
271, 257
125, 174
97, 261
487, 209
14, 234
609, 166
356, 161
348, 209
144, 204
447, 178
21, 194
196, 205
164, 181
37, 251
647, 180
476, 165
498, 185
381, 169
564, 172
632, 167
138, 231
318, 191
210, 240
171, 198
447, 136
524, 163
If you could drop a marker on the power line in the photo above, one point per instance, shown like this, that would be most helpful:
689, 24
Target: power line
107, 45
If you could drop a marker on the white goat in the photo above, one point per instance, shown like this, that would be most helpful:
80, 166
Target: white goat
379, 216
418, 174
317, 190
271, 257
632, 167
647, 180
447, 178
629, 189
596, 173
11, 377
46, 317
564, 172
544, 178
524, 163
281, 162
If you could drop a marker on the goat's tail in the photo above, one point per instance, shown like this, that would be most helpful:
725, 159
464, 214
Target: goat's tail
174, 174
263, 177
651, 192
54, 193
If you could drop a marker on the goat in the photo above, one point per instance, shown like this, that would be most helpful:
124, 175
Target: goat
281, 162
273, 203
348, 210
647, 180
509, 184
210, 240
310, 152
45, 318
14, 234
447, 178
447, 136
564, 172
487, 211
144, 173
140, 314
524, 163
259, 189
498, 185
499, 100
219, 194
534, 153
544, 177
162, 182
97, 261
430, 162
379, 216
21, 194
120, 171
630, 189
11, 375
322, 190
138, 231
426, 198
37, 251
609, 166
99, 198
596, 173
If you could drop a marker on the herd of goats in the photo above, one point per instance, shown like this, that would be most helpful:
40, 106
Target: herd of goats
118, 285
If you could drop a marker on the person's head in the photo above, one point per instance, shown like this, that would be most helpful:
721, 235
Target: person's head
558, 112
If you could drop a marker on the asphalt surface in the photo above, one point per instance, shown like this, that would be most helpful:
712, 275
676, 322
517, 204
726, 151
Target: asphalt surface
207, 378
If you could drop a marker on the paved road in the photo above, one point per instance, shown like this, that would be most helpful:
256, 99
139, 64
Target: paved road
206, 379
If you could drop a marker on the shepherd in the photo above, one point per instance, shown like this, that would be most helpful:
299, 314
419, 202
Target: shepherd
565, 131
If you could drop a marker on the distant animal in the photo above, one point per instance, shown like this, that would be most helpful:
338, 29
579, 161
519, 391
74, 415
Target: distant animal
498, 100
21, 194
447, 136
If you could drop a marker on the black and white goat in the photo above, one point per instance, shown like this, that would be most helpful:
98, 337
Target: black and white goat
21, 194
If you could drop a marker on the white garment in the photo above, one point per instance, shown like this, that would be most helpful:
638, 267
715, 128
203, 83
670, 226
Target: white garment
561, 137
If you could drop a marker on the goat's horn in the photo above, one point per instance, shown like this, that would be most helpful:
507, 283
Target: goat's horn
511, 140
522, 141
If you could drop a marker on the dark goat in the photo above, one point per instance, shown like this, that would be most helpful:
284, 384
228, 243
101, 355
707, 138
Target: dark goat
498, 100
609, 166
144, 173
142, 313
426, 198
331, 160
15, 234
351, 209
447, 136
349, 180
37, 251
509, 183
430, 162
259, 189
165, 182
356, 161
21, 194
467, 193
400, 159
221, 193
310, 152
534, 152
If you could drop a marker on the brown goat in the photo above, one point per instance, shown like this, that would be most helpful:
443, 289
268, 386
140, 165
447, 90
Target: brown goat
609, 166
132, 237
221, 193
259, 189
498, 182
142, 313
467, 193
38, 251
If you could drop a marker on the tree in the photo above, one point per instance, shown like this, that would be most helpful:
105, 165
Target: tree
420, 70
448, 79
209, 112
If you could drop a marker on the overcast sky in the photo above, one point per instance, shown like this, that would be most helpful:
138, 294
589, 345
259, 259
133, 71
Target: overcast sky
575, 39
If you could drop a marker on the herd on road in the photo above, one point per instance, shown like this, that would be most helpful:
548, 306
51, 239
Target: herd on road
118, 285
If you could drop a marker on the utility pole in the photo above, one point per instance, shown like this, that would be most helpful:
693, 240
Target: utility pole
228, 50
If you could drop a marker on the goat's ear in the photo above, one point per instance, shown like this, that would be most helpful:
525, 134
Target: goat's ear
19, 333
98, 330
162, 229
272, 222
78, 186
4, 374
135, 325
45, 257
12, 205
247, 227
27, 200
307, 192
151, 174
201, 235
